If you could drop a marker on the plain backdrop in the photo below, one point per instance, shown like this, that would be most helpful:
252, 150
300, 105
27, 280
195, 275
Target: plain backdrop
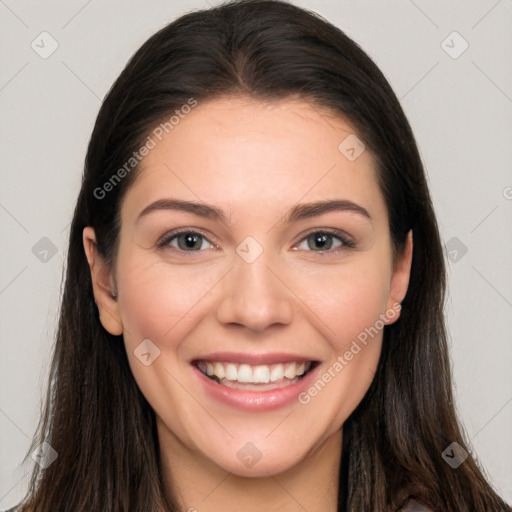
449, 63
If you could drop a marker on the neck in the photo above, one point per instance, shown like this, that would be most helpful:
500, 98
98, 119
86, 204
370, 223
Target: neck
198, 484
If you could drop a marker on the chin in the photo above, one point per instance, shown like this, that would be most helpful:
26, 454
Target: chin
261, 459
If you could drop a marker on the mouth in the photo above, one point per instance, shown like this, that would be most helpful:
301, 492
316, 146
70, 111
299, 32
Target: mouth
259, 377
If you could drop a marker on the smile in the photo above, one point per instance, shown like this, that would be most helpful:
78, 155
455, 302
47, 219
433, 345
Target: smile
260, 377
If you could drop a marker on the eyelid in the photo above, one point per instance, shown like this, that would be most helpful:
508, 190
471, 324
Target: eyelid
165, 239
337, 233
347, 241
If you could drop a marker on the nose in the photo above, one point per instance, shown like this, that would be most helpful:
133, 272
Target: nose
256, 296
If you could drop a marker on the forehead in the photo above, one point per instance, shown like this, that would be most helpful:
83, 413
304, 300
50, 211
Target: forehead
255, 155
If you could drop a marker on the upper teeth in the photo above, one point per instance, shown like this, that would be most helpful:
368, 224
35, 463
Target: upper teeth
254, 374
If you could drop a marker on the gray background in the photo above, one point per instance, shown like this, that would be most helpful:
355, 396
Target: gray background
460, 110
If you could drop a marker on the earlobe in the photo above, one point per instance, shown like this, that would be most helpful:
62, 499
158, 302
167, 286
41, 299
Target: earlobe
105, 293
400, 280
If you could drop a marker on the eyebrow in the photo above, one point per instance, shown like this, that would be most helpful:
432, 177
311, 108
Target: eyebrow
298, 212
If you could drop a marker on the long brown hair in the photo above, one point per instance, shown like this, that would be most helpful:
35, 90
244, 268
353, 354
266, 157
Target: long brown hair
95, 417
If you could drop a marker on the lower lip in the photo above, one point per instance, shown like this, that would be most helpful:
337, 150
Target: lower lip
256, 401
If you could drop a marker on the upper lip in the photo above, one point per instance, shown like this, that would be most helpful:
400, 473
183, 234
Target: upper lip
254, 358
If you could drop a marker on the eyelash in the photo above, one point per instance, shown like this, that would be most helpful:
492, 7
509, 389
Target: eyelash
346, 242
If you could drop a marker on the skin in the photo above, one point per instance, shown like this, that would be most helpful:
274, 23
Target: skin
254, 160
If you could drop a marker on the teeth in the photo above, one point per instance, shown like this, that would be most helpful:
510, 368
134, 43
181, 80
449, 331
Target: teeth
289, 371
260, 374
218, 370
231, 372
277, 373
244, 373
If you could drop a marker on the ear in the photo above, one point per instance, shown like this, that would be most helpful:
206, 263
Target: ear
399, 281
103, 285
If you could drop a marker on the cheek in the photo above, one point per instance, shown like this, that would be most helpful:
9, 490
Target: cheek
347, 300
352, 308
156, 300
161, 303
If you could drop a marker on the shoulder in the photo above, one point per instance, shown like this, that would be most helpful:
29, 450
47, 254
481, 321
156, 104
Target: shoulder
413, 504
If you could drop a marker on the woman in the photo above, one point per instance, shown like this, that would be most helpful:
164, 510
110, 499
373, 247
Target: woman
215, 349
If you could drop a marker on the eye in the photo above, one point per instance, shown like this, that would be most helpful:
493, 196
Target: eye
186, 240
189, 241
322, 241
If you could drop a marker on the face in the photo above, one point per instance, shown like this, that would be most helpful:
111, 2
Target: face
282, 302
